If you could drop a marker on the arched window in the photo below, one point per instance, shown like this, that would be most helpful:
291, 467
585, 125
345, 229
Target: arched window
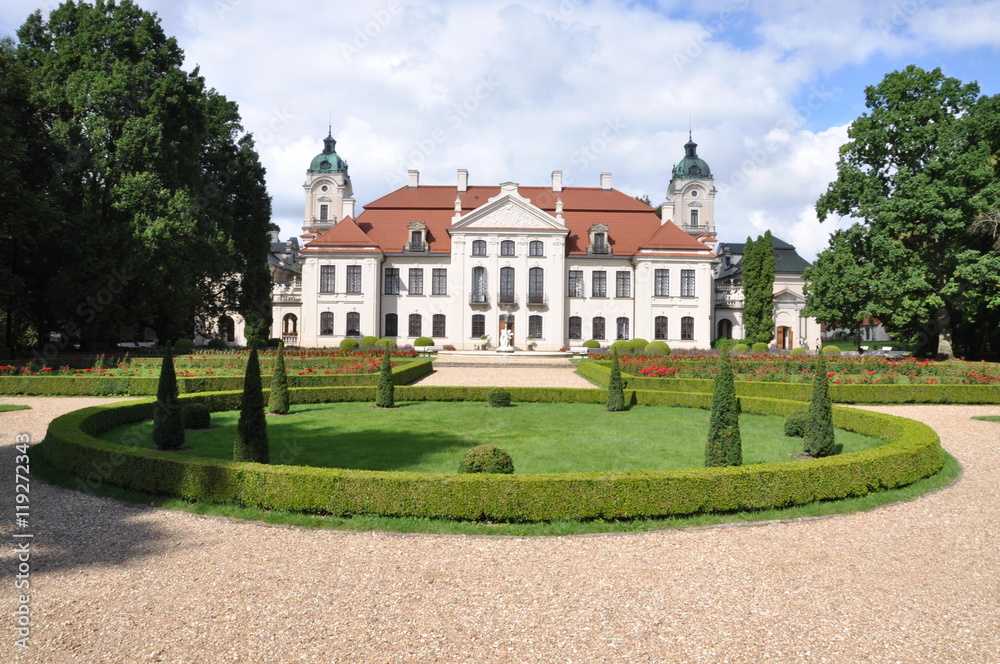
660, 327
353, 324
227, 329
479, 247
416, 325
536, 248
478, 285
536, 286
687, 328
598, 328
622, 324
290, 324
507, 248
507, 285
438, 326
478, 325
575, 327
391, 325
326, 323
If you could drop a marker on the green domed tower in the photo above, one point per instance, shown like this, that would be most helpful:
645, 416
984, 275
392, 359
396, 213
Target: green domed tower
691, 193
329, 195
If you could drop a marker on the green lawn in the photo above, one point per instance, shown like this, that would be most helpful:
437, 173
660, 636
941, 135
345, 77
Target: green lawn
988, 418
9, 407
433, 436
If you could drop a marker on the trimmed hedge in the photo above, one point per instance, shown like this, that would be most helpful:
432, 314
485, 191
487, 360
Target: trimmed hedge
76, 386
600, 371
913, 451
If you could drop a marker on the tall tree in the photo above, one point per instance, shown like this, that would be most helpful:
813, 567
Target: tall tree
251, 442
616, 392
155, 186
725, 445
920, 168
758, 289
168, 426
819, 438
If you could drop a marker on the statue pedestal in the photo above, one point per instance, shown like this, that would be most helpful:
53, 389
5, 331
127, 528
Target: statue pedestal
505, 350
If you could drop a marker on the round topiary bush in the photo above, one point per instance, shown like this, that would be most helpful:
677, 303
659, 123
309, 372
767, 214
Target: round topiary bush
740, 348
498, 398
831, 350
657, 348
796, 423
487, 459
622, 346
196, 416
217, 344
798, 351
367, 342
638, 343
386, 343
423, 341
591, 343
273, 343
760, 347
348, 344
183, 346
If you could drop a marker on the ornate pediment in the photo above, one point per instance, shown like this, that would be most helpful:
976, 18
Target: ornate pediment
508, 209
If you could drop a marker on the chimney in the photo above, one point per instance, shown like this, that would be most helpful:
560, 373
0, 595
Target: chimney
556, 182
348, 207
463, 180
413, 179
606, 181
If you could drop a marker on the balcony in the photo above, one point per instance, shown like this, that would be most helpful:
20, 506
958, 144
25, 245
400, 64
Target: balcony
538, 300
507, 299
416, 247
478, 299
729, 297
287, 292
290, 339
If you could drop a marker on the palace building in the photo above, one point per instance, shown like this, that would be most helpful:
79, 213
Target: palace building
555, 265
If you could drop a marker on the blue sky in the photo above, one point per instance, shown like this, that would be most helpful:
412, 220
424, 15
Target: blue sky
514, 90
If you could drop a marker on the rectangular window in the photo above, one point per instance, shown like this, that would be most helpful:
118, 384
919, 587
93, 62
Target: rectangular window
600, 244
478, 325
416, 240
438, 326
391, 325
623, 284
353, 278
439, 281
661, 283
326, 278
326, 323
536, 248
687, 328
507, 248
353, 324
416, 281
598, 328
507, 284
416, 324
536, 286
575, 327
600, 285
687, 283
324, 212
392, 281
535, 327
694, 217
660, 327
479, 247
479, 285
575, 283
623, 328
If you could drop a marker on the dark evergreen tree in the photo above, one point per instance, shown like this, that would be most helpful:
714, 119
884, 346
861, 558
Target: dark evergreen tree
724, 446
616, 393
819, 438
251, 430
758, 289
278, 401
168, 427
385, 391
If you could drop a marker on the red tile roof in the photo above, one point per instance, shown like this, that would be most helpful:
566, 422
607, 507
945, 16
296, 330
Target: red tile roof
632, 224
345, 236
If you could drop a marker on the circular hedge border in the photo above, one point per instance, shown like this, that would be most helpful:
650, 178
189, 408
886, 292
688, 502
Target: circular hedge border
913, 451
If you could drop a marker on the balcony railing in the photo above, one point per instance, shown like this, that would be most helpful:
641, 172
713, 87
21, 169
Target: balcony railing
537, 300
290, 339
507, 298
478, 298
287, 292
729, 298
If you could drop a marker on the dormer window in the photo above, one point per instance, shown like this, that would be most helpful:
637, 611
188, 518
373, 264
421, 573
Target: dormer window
418, 236
599, 243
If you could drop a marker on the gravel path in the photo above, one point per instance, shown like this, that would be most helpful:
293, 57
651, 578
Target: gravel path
111, 582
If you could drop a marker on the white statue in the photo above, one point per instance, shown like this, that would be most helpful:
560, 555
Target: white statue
505, 339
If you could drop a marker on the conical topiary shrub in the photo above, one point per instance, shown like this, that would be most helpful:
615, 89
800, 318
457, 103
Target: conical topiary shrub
819, 438
251, 430
616, 394
385, 391
278, 401
168, 427
724, 446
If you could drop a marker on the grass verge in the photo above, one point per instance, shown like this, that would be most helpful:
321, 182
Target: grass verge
987, 418
948, 474
10, 406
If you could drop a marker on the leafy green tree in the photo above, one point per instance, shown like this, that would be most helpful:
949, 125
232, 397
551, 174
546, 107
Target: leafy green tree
278, 400
919, 169
385, 391
725, 445
251, 430
819, 438
758, 289
157, 185
616, 392
168, 427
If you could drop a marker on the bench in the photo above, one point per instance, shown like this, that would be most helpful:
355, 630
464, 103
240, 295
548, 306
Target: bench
580, 350
429, 349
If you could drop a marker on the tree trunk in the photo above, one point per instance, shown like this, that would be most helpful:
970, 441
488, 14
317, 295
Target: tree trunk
945, 351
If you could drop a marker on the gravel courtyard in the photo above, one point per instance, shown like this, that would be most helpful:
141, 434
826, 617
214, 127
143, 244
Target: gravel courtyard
123, 583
